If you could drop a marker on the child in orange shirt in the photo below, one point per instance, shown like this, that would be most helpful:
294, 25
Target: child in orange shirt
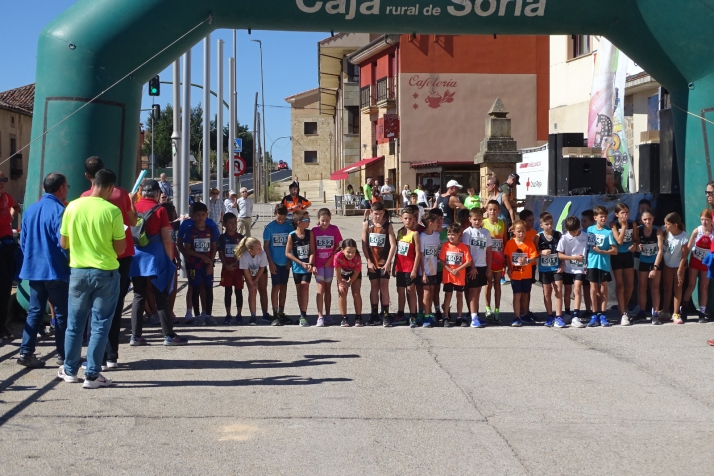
520, 254
531, 235
455, 258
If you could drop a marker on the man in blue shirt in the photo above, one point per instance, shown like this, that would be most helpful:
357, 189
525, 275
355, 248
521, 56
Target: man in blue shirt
46, 268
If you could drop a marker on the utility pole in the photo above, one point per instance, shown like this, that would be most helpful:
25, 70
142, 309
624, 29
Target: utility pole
207, 118
231, 122
256, 167
185, 134
176, 135
260, 164
219, 119
262, 97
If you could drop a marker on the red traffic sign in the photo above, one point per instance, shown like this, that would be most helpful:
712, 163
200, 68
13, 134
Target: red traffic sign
239, 165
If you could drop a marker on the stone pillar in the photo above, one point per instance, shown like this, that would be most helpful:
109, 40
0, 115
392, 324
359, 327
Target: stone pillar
499, 152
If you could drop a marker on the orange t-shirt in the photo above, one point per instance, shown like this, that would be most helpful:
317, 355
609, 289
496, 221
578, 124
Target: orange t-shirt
454, 256
526, 250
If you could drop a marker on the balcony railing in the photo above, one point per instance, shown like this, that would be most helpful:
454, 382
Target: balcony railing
368, 99
385, 90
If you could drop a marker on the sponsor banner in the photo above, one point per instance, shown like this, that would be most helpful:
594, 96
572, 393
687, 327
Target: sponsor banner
533, 172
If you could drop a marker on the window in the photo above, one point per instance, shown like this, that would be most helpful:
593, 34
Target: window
310, 128
352, 73
582, 45
13, 145
352, 120
310, 156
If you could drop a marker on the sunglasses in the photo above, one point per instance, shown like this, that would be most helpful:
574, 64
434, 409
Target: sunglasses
4, 180
707, 192
305, 220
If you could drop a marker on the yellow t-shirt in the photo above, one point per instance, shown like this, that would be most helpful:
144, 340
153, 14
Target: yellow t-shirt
92, 224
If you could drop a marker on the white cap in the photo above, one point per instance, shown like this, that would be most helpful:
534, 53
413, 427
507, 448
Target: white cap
231, 192
453, 183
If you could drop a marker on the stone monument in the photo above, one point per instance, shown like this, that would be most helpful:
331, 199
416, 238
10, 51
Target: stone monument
499, 152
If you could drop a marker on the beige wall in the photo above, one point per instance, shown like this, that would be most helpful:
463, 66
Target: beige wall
21, 130
306, 110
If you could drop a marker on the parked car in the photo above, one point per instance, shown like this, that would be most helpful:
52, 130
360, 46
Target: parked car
282, 165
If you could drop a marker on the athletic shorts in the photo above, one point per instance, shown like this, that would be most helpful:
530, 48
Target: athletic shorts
197, 277
451, 287
569, 279
645, 267
404, 279
479, 281
549, 277
430, 280
281, 277
380, 274
622, 261
694, 263
521, 286
232, 279
325, 274
302, 277
598, 276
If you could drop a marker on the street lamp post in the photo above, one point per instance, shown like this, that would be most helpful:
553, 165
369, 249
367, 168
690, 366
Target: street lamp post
262, 94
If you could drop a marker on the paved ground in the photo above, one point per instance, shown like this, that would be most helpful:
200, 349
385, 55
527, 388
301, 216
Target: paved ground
263, 400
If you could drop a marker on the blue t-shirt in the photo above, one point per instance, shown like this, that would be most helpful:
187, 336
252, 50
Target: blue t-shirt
277, 237
604, 240
188, 223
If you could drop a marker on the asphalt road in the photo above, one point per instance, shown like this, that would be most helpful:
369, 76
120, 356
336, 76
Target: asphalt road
246, 180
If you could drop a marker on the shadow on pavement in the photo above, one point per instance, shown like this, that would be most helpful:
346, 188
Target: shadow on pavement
280, 380
166, 364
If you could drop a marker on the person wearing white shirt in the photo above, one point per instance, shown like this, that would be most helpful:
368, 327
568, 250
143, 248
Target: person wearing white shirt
387, 192
572, 251
421, 196
245, 212
231, 203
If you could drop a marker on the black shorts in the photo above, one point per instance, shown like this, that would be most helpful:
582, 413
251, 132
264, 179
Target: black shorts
569, 279
404, 280
645, 267
430, 280
549, 277
479, 281
282, 276
622, 261
451, 287
302, 277
521, 286
377, 275
598, 276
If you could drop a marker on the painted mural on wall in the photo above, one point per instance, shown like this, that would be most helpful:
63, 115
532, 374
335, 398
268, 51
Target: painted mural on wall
432, 91
606, 118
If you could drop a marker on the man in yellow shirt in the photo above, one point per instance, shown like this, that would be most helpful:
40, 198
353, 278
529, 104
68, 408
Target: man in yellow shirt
93, 232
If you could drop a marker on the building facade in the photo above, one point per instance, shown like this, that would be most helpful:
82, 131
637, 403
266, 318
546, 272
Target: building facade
312, 137
15, 128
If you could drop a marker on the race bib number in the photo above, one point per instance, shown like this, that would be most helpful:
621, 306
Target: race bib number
377, 239
402, 248
550, 261
454, 258
478, 243
254, 271
498, 245
628, 236
303, 252
325, 242
577, 264
649, 249
431, 251
202, 245
280, 240
520, 259
230, 251
592, 239
699, 253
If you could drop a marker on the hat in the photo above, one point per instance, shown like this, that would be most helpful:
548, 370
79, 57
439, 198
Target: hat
517, 177
453, 183
294, 185
232, 192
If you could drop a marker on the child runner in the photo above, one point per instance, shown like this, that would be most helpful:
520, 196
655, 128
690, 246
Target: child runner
455, 257
231, 275
199, 244
253, 262
348, 268
379, 245
478, 239
531, 236
301, 251
406, 266
651, 248
550, 270
573, 250
587, 219
327, 243
601, 245
676, 249
700, 244
419, 228
519, 255
443, 239
623, 263
413, 201
430, 244
497, 228
275, 239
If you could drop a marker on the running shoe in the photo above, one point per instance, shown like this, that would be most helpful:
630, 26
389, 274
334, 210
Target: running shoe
438, 316
61, 374
227, 320
175, 340
702, 318
413, 322
503, 281
303, 322
655, 320
548, 322
210, 321
401, 321
59, 361
99, 381
420, 318
276, 322
112, 364
137, 341
346, 323
253, 321
641, 316
31, 361
386, 320
475, 322
497, 317
427, 321
603, 321
594, 321
284, 320
358, 322
528, 319
320, 322
677, 319
267, 319
490, 316
577, 323
373, 319
567, 317
559, 322
464, 322
625, 321
199, 321
516, 323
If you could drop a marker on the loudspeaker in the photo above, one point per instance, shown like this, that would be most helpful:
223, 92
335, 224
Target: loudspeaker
556, 142
581, 173
649, 168
668, 169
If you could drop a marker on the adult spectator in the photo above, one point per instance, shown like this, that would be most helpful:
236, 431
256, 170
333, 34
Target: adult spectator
406, 196
93, 232
449, 203
45, 267
8, 248
215, 206
508, 213
508, 188
387, 192
294, 201
367, 197
231, 203
166, 186
422, 201
153, 266
124, 201
473, 200
245, 212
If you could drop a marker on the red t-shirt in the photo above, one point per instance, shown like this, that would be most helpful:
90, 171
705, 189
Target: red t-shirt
6, 204
160, 218
120, 199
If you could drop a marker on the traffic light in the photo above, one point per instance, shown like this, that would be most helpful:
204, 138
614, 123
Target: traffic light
156, 111
154, 86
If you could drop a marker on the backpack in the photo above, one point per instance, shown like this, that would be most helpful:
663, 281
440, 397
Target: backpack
138, 231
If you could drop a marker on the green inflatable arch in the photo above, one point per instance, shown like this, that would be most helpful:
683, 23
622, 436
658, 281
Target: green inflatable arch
96, 43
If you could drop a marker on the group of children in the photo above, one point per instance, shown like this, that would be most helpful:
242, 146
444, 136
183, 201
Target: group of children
427, 258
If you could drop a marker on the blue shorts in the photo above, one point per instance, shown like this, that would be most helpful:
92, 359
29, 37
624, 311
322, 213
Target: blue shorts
521, 286
282, 277
197, 277
325, 274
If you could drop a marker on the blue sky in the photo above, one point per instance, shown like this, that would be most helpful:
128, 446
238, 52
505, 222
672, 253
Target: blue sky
289, 65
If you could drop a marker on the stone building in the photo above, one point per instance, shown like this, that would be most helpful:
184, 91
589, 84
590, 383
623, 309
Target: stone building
312, 137
15, 129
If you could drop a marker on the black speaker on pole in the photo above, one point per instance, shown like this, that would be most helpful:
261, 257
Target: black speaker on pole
581, 173
668, 169
556, 142
649, 168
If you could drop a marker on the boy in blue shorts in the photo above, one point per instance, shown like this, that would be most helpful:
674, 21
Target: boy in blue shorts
601, 245
275, 238
199, 243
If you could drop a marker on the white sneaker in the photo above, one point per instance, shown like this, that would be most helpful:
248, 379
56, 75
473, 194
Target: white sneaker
625, 320
576, 322
112, 364
66, 377
100, 381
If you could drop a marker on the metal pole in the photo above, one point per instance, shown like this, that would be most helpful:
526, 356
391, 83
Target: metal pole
185, 133
176, 135
219, 119
153, 158
206, 118
231, 121
256, 168
262, 95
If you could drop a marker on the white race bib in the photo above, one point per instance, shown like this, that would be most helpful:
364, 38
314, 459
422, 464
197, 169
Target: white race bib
230, 250
478, 243
431, 251
649, 249
576, 263
377, 239
628, 236
303, 252
280, 240
201, 245
454, 258
520, 259
699, 253
592, 240
254, 271
402, 248
498, 245
325, 242
549, 261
